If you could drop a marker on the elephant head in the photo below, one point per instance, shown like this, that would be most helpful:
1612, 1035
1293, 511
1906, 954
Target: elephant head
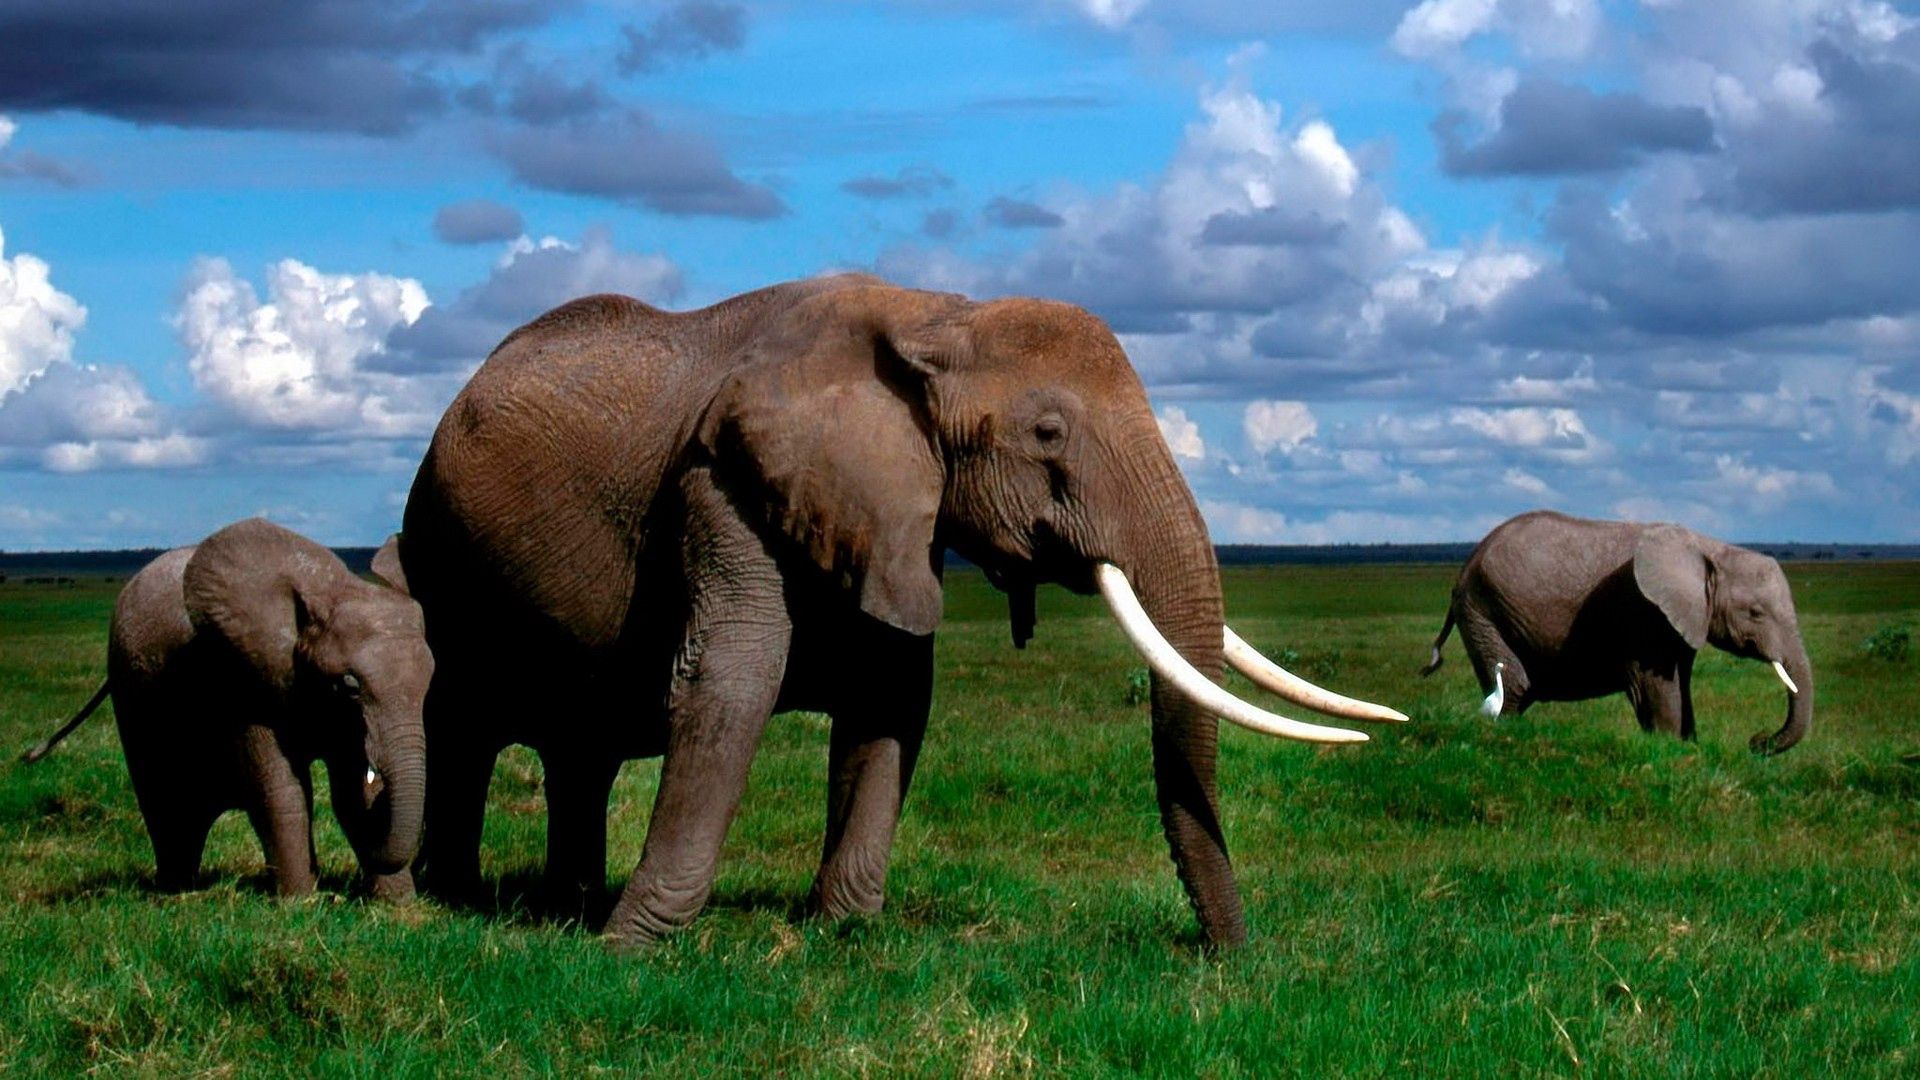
882, 426
346, 666
1737, 600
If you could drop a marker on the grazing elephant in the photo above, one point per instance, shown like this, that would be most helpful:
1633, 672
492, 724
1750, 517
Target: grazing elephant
1558, 608
640, 533
236, 663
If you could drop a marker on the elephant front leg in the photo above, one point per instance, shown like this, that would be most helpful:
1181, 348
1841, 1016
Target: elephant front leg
726, 680
280, 806
1658, 690
876, 742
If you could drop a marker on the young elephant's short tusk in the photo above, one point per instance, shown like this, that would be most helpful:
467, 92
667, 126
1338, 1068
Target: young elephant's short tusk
1780, 669
1167, 663
1250, 662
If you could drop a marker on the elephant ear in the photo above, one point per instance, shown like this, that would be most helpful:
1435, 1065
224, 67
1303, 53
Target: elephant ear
827, 421
1672, 572
257, 587
386, 564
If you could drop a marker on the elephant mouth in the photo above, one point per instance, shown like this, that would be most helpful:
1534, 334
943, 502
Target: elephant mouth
1168, 664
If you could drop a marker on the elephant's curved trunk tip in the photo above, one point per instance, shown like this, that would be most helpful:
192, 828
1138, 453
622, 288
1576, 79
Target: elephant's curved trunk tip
1167, 663
1796, 674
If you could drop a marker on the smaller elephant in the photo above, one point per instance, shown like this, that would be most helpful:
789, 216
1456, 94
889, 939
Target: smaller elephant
233, 665
1559, 608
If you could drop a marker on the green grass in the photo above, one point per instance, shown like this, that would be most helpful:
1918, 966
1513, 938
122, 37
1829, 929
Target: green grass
1556, 894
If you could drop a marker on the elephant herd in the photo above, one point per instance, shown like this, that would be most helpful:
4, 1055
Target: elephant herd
638, 533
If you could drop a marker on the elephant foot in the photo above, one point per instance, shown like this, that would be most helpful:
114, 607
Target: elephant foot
571, 901
651, 909
459, 886
394, 888
834, 902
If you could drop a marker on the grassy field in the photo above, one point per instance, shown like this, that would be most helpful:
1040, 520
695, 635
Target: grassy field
1552, 895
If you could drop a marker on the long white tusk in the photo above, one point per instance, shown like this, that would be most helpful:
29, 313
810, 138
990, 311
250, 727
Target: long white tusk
1167, 663
1250, 662
1780, 669
373, 776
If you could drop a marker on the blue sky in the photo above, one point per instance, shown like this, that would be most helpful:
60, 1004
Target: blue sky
1392, 271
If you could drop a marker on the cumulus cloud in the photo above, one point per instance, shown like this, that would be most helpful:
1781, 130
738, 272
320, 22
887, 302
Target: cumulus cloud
1111, 14
477, 221
1549, 128
298, 359
71, 417
1239, 523
1181, 433
628, 157
37, 321
1278, 425
692, 30
1154, 259
1550, 28
529, 277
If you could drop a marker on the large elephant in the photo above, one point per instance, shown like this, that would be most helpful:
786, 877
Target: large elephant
233, 665
1559, 608
639, 532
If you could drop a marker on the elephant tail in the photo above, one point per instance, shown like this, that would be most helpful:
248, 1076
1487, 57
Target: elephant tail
79, 718
1434, 659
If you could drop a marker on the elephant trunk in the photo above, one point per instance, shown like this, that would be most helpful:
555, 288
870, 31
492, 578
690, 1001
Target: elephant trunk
1799, 704
1178, 583
387, 799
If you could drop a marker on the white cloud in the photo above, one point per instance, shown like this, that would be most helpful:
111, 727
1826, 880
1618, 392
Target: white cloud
1435, 26
1523, 481
37, 320
297, 360
7, 128
70, 417
1550, 28
1772, 487
165, 451
1528, 428
1237, 523
1182, 434
1278, 425
1112, 14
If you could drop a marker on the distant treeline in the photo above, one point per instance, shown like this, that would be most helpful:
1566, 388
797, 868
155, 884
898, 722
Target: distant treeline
47, 567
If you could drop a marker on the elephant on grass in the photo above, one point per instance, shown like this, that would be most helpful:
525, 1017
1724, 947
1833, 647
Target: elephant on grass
235, 664
1559, 608
639, 532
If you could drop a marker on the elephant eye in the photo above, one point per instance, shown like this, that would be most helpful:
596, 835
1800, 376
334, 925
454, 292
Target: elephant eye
1049, 429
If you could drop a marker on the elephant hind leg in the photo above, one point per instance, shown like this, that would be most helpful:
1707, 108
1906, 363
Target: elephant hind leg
179, 843
458, 776
578, 783
1485, 648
